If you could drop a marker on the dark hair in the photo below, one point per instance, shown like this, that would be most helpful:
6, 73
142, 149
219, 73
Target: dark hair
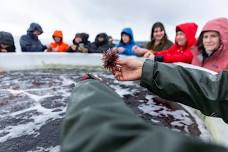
178, 30
77, 35
199, 42
152, 40
156, 25
121, 40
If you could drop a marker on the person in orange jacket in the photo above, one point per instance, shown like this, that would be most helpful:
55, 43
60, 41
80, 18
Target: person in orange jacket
58, 45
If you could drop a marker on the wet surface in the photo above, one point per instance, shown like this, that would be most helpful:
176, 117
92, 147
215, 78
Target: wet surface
33, 105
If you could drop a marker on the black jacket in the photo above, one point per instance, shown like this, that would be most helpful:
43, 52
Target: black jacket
85, 42
100, 47
31, 43
7, 38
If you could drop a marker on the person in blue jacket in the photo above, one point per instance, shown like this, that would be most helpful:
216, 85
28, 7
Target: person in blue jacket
30, 42
127, 45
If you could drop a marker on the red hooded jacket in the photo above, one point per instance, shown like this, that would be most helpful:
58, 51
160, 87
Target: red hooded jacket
218, 61
179, 53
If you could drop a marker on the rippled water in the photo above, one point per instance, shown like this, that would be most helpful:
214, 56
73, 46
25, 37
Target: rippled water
33, 105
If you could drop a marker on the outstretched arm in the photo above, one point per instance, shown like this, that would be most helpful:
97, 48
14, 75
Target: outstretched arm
195, 88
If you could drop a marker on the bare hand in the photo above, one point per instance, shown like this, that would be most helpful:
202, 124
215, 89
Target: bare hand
3, 50
114, 50
139, 51
120, 49
83, 50
74, 47
149, 55
128, 69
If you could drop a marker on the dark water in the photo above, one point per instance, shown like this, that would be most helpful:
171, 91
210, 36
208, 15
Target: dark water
33, 105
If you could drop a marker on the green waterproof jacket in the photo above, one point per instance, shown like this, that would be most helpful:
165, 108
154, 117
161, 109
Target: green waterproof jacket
97, 120
195, 88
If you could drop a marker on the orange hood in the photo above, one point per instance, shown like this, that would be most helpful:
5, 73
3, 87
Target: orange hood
58, 34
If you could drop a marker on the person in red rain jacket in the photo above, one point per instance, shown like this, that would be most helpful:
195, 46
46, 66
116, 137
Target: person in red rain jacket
212, 46
58, 45
181, 50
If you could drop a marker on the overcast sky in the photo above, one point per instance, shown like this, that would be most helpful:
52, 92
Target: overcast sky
94, 16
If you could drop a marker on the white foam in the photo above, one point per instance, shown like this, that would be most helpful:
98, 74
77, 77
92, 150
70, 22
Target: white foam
50, 149
181, 117
45, 114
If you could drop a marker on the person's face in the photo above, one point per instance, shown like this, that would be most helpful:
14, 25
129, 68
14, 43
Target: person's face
110, 40
158, 34
57, 39
4, 46
181, 38
77, 40
100, 39
125, 38
211, 41
36, 33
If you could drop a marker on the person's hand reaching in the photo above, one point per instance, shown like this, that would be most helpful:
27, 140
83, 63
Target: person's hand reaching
128, 69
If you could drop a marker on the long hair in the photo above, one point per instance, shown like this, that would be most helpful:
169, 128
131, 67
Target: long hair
152, 40
199, 42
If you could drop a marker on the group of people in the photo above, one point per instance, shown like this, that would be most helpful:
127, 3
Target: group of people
101, 121
209, 50
30, 42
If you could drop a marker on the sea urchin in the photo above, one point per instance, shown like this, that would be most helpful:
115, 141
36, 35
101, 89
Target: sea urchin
109, 59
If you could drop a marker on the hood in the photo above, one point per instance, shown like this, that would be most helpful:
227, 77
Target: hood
219, 25
84, 37
189, 30
129, 32
6, 38
218, 60
105, 37
59, 34
34, 27
76, 35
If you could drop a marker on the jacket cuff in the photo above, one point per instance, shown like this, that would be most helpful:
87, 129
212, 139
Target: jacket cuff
159, 58
44, 47
147, 73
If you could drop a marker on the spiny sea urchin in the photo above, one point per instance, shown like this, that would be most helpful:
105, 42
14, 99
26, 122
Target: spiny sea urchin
109, 59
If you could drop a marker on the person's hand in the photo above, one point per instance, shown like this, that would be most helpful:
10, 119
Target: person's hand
115, 49
149, 55
128, 69
49, 49
120, 49
55, 49
83, 50
139, 51
3, 50
73, 47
